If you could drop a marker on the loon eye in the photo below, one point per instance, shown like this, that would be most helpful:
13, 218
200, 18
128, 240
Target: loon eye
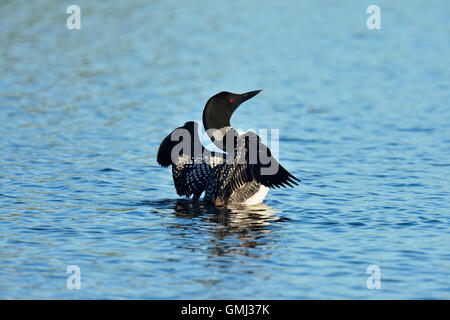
232, 100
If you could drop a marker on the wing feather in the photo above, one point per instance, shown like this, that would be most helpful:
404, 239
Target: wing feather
262, 168
194, 166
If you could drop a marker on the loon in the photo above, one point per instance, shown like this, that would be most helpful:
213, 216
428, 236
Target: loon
242, 174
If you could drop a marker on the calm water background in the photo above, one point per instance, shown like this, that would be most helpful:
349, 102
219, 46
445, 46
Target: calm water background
364, 121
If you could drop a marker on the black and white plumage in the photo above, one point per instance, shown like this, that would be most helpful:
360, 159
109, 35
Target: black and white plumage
192, 171
240, 175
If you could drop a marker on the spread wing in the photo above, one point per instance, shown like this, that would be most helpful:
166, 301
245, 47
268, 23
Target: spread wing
193, 166
254, 162
194, 178
266, 169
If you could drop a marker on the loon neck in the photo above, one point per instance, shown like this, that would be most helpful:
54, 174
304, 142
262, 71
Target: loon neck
217, 136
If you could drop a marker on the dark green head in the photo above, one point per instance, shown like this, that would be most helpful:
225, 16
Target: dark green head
220, 108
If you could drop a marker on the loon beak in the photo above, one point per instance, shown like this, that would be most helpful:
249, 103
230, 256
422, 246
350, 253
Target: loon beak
243, 97
249, 95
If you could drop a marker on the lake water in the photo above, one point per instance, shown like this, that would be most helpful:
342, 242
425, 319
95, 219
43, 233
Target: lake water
363, 118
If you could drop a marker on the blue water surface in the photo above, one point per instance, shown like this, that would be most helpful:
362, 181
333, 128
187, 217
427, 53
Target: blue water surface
363, 118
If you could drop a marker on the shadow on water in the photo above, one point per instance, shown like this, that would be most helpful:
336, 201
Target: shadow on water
238, 229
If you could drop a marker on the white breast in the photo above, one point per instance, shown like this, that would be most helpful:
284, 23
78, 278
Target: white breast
259, 196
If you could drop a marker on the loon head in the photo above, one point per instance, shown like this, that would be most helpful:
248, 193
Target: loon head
219, 108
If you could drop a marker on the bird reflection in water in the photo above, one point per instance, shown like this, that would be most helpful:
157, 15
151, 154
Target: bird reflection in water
234, 229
